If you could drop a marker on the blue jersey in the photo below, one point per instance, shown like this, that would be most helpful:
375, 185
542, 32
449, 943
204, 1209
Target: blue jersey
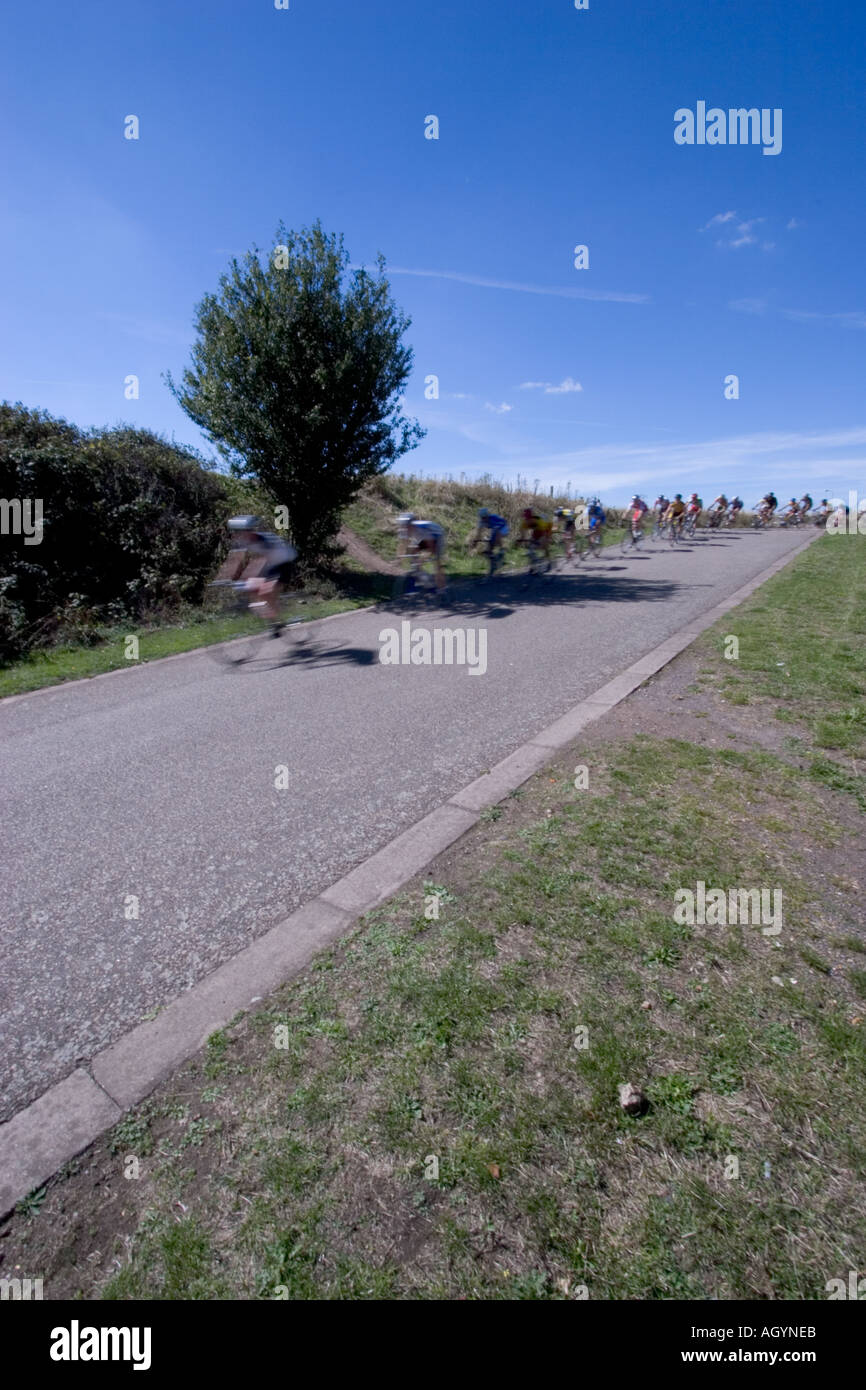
495, 524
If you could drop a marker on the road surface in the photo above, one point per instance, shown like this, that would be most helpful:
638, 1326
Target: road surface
146, 840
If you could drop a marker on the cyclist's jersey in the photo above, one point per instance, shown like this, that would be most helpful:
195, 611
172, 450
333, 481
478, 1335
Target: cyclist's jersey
428, 529
676, 508
597, 517
694, 506
770, 501
276, 550
661, 505
806, 503
736, 505
568, 520
538, 525
496, 525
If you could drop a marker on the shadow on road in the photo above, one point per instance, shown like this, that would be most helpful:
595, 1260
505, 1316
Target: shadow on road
502, 596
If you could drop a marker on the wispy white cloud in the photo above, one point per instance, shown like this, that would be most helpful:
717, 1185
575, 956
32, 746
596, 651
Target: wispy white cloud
748, 306
792, 224
718, 220
609, 296
563, 389
854, 319
744, 234
498, 409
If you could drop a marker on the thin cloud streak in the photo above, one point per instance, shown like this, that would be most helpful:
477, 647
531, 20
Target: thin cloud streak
608, 296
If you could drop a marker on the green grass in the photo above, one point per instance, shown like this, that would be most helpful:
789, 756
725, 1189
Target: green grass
107, 651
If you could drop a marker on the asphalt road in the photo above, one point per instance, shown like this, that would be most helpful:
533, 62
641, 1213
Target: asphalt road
158, 784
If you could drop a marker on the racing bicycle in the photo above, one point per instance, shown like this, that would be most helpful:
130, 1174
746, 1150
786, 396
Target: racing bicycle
416, 582
588, 543
633, 537
249, 632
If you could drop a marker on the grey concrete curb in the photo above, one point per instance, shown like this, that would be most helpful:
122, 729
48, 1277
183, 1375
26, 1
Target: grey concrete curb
39, 1140
68, 1117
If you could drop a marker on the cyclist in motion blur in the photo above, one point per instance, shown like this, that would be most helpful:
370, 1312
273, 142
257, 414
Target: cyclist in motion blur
536, 531
264, 562
676, 514
492, 530
567, 522
422, 540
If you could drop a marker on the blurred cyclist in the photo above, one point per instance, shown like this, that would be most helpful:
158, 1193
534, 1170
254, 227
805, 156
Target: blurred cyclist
536, 529
423, 538
492, 527
270, 560
567, 521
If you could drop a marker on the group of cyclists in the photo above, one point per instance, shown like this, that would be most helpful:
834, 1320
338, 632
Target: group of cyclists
578, 530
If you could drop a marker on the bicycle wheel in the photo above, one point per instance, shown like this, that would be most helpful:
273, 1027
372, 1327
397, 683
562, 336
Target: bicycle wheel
495, 559
242, 631
627, 544
405, 585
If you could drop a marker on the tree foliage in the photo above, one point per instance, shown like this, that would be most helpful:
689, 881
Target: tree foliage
132, 523
297, 376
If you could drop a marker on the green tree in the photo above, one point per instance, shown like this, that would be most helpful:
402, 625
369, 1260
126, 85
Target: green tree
297, 375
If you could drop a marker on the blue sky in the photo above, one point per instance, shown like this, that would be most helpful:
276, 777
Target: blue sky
556, 129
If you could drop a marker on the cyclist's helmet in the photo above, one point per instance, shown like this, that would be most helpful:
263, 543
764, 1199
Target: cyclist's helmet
405, 518
679, 497
482, 513
528, 513
244, 523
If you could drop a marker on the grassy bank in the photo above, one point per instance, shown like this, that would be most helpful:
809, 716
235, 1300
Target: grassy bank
432, 1110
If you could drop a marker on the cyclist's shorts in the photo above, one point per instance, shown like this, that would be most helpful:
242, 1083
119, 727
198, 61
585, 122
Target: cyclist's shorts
569, 523
431, 542
282, 571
